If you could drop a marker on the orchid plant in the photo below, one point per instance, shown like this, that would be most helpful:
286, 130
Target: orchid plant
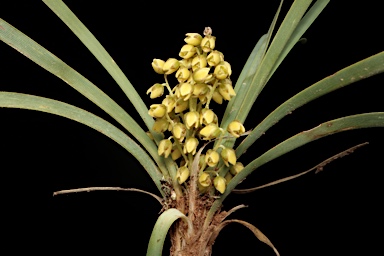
193, 155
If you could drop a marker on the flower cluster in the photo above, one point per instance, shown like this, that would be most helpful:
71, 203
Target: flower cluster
203, 75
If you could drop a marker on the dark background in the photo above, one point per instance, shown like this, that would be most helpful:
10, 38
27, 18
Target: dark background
335, 212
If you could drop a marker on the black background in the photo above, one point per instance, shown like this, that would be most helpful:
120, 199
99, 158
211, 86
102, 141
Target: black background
335, 212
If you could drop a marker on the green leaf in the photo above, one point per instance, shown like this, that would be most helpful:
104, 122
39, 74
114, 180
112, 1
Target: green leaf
241, 110
54, 65
360, 70
303, 25
160, 230
366, 120
31, 102
94, 46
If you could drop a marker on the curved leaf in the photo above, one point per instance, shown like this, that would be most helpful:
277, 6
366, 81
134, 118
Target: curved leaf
367, 120
353, 73
160, 230
94, 46
54, 65
31, 102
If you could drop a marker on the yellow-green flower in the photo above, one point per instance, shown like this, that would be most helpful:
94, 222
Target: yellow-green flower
165, 148
190, 145
208, 43
156, 91
187, 51
229, 156
226, 90
201, 75
236, 128
182, 174
160, 125
184, 91
205, 179
236, 168
179, 131
212, 158
216, 96
228, 177
181, 105
207, 116
211, 131
169, 102
193, 39
221, 71
170, 66
183, 74
192, 119
200, 61
220, 184
213, 58
157, 110
157, 65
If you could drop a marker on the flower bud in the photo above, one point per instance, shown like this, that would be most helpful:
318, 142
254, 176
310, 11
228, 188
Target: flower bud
229, 156
211, 131
207, 116
214, 58
160, 125
183, 74
236, 128
182, 174
221, 71
220, 184
190, 145
179, 131
212, 158
157, 110
187, 63
170, 66
184, 91
193, 39
205, 179
165, 148
187, 51
156, 91
191, 119
208, 43
200, 61
157, 65
169, 102
226, 90
181, 105
201, 74
235, 169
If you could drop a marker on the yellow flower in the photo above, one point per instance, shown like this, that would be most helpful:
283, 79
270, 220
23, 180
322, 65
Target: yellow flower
228, 177
160, 125
157, 110
214, 58
190, 145
179, 131
156, 91
216, 96
169, 102
201, 74
236, 128
200, 61
181, 105
187, 51
207, 116
193, 39
183, 74
165, 148
175, 154
212, 158
184, 91
182, 174
170, 66
205, 179
208, 43
157, 65
200, 90
221, 71
235, 169
211, 131
229, 156
226, 90
191, 119
220, 184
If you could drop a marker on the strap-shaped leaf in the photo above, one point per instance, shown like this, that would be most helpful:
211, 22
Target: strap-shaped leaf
54, 65
160, 230
31, 102
94, 46
360, 70
366, 120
